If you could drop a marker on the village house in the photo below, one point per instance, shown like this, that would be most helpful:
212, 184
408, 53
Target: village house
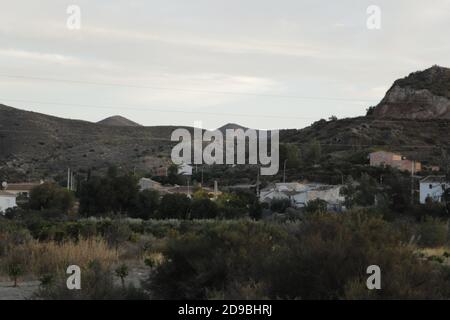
21, 189
7, 201
394, 160
161, 172
185, 170
299, 194
189, 190
432, 168
432, 188
149, 184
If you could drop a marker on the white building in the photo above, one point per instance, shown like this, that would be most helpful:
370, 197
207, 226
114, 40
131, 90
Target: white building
22, 189
7, 200
433, 187
148, 184
299, 194
185, 170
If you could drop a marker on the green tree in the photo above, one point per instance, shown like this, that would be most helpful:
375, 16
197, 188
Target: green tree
317, 205
116, 233
51, 196
15, 270
313, 152
366, 191
147, 204
203, 208
174, 206
172, 175
291, 154
109, 194
232, 206
122, 272
125, 193
360, 193
349, 192
280, 205
397, 187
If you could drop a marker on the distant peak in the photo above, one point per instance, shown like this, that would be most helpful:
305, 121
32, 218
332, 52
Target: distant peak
118, 121
232, 126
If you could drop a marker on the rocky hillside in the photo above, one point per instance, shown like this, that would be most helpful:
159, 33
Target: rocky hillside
38, 145
421, 95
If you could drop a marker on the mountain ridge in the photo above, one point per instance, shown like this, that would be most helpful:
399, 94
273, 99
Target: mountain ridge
34, 145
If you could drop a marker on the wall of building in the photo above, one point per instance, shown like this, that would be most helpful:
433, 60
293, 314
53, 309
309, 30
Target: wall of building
383, 158
7, 202
432, 189
394, 160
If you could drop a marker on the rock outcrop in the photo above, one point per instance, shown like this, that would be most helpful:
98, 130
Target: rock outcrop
422, 95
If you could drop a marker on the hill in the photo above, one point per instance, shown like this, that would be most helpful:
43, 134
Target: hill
34, 145
38, 145
118, 121
231, 126
421, 95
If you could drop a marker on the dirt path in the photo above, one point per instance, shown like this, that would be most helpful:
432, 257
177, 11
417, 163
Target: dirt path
24, 291
27, 288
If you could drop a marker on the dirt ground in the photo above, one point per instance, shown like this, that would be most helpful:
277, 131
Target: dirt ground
24, 291
26, 287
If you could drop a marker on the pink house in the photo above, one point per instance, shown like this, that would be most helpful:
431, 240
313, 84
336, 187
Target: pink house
384, 158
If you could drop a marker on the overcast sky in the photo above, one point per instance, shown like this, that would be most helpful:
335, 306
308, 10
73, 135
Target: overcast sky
259, 63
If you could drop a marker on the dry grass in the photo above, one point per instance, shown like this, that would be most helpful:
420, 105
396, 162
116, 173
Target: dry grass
440, 254
48, 257
439, 251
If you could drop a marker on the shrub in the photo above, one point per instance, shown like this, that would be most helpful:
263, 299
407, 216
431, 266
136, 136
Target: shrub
280, 205
147, 204
98, 284
323, 257
51, 196
317, 205
433, 232
174, 206
122, 272
204, 208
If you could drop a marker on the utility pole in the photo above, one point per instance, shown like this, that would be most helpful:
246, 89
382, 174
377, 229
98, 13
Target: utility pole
445, 163
412, 181
68, 178
202, 176
284, 171
216, 189
257, 184
188, 188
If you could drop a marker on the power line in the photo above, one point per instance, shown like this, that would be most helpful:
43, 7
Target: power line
134, 108
26, 77
220, 114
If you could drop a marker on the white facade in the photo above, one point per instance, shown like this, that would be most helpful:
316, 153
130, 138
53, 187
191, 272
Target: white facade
7, 200
330, 194
148, 184
433, 187
185, 170
301, 193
